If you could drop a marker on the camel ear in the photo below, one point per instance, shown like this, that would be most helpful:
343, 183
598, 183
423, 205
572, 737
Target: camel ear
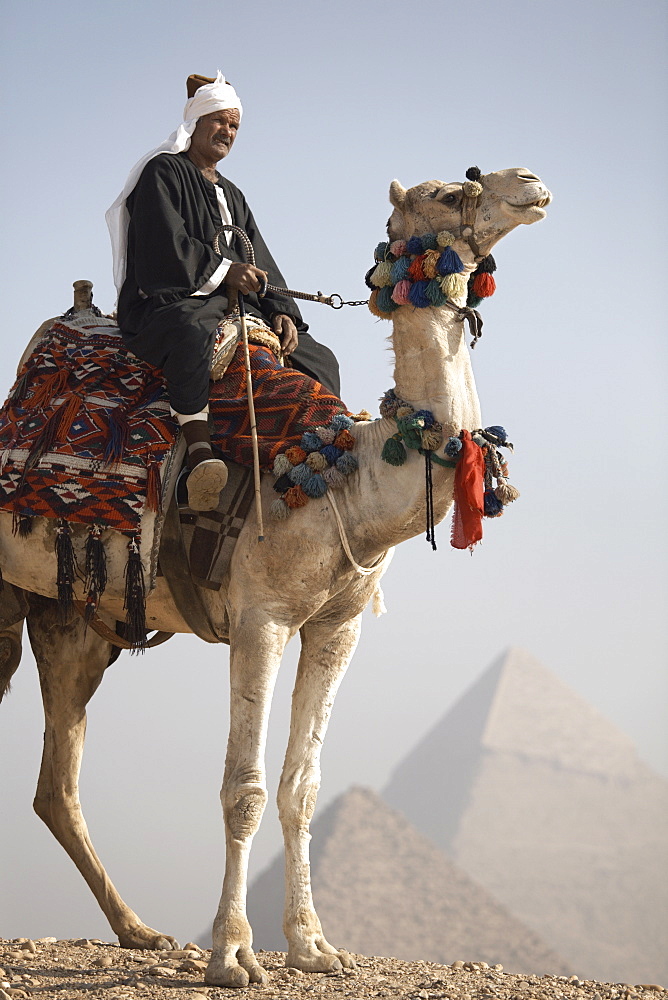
397, 194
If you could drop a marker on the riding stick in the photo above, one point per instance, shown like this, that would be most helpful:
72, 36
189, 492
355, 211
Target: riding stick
251, 414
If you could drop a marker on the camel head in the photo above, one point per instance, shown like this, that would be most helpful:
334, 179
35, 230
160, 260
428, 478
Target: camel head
478, 212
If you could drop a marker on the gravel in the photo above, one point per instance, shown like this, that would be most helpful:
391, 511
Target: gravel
89, 969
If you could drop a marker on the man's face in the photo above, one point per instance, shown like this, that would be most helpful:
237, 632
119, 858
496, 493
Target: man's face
214, 134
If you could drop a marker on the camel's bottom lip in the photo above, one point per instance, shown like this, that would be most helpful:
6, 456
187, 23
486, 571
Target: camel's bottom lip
526, 213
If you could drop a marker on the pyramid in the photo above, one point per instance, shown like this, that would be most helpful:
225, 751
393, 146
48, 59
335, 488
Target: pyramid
381, 888
545, 802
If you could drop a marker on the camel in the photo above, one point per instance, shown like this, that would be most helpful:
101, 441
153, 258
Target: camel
301, 580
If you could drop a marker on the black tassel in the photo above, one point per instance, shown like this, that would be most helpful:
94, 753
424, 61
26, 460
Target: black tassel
95, 571
66, 569
473, 174
22, 524
429, 498
135, 598
487, 265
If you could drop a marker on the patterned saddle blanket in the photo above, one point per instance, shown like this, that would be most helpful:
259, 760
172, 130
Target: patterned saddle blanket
86, 433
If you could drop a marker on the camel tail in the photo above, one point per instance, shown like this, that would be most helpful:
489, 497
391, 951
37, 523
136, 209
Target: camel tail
13, 609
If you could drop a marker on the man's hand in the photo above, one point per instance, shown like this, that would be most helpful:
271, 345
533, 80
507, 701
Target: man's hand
245, 278
286, 331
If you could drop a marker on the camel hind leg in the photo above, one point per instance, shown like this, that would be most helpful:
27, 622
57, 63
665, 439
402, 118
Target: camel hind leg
326, 653
71, 666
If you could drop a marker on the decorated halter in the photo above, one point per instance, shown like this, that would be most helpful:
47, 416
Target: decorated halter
427, 271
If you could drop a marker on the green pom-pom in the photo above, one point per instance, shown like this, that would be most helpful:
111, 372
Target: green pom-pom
279, 510
393, 452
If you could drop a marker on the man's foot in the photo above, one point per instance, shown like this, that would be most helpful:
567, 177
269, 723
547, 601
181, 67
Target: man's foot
204, 484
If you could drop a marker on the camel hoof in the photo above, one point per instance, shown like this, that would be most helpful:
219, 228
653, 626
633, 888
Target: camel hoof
318, 962
257, 975
347, 960
232, 976
147, 938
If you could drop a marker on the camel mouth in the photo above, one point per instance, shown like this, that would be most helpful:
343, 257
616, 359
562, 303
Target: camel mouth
526, 214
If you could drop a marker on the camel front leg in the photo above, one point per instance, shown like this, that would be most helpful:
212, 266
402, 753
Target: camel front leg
326, 653
71, 667
256, 648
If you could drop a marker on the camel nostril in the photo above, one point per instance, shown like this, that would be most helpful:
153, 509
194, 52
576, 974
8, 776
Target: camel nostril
528, 177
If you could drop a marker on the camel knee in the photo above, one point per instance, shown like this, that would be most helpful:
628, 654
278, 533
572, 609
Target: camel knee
296, 800
243, 806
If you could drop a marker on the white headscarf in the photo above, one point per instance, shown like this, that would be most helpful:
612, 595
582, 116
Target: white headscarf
216, 96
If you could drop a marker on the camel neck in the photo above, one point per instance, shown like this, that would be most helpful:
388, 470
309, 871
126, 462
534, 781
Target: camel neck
433, 367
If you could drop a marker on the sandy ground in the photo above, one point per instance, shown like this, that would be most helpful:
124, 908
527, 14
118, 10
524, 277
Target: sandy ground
95, 970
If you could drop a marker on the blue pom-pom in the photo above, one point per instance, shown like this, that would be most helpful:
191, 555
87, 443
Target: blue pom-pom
449, 262
300, 474
498, 432
315, 487
429, 241
310, 442
414, 245
331, 453
347, 463
453, 446
399, 271
426, 416
384, 299
341, 422
493, 506
380, 251
418, 294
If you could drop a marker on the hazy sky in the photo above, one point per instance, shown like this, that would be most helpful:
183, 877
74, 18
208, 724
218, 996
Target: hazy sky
338, 100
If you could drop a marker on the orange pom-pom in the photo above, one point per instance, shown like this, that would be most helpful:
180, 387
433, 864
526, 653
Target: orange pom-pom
295, 454
416, 270
295, 497
344, 440
484, 285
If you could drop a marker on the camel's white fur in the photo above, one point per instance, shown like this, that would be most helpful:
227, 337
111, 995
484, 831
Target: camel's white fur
298, 580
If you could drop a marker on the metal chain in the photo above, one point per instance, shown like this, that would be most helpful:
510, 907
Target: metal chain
334, 300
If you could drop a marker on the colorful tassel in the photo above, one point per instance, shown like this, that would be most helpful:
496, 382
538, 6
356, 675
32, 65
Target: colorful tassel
295, 454
484, 285
283, 483
333, 477
493, 506
341, 422
317, 462
401, 293
418, 295
295, 497
414, 245
506, 493
435, 293
384, 301
347, 463
429, 262
279, 510
331, 453
416, 269
326, 434
51, 388
316, 487
311, 442
382, 275
449, 262
454, 285
398, 248
282, 465
69, 411
445, 239
393, 451
344, 440
300, 474
400, 269
381, 251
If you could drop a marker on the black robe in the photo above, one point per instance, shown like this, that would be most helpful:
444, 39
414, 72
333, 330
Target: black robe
174, 214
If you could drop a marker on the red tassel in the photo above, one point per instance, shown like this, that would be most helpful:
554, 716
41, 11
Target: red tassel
154, 486
484, 285
469, 494
52, 387
69, 411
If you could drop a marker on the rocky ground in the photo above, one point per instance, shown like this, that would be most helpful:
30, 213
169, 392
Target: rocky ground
94, 970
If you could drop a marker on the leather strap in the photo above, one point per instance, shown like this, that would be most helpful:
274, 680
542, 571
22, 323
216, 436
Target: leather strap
187, 595
107, 633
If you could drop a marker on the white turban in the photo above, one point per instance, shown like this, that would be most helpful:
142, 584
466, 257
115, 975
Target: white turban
216, 96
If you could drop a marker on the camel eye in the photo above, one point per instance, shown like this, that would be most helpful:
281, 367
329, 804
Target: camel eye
450, 199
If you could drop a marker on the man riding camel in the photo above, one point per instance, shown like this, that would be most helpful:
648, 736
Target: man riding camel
174, 289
